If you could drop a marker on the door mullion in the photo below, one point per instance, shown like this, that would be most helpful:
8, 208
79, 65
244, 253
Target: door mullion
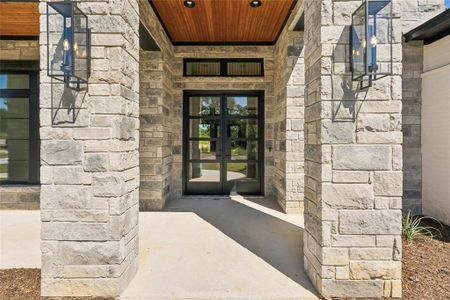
223, 134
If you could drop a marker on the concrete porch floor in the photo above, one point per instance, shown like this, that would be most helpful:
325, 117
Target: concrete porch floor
197, 248
220, 248
20, 240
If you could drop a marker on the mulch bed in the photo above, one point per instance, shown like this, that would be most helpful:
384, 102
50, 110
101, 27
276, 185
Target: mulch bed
426, 266
426, 272
25, 284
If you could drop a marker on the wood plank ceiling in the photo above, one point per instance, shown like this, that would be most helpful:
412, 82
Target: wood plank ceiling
223, 21
19, 18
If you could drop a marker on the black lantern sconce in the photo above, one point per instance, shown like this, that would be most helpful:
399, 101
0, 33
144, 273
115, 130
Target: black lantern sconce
371, 42
68, 44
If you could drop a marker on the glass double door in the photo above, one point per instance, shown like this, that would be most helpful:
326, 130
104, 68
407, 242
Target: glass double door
223, 143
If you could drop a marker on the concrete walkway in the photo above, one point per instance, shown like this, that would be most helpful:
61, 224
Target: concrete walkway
198, 248
220, 248
20, 245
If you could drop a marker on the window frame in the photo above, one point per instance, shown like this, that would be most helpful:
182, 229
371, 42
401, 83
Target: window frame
223, 66
34, 142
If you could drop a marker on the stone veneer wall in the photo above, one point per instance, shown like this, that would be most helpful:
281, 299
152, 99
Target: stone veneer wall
19, 196
89, 168
289, 121
353, 162
158, 135
279, 110
19, 50
413, 11
411, 119
155, 148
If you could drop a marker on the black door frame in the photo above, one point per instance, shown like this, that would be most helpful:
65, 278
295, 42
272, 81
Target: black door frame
261, 139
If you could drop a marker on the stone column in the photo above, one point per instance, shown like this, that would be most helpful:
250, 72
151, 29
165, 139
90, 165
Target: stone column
353, 162
289, 88
89, 164
155, 149
414, 11
295, 110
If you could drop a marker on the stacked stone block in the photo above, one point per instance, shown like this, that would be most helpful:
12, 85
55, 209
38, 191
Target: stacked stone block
89, 167
353, 162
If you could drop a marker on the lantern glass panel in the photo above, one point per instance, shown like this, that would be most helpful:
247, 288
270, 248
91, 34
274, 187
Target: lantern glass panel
358, 42
80, 45
379, 38
59, 37
68, 43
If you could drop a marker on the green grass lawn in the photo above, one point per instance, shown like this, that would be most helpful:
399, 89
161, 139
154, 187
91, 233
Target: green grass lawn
233, 167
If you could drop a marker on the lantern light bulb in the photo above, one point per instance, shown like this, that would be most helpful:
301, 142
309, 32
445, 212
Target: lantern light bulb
66, 45
255, 3
374, 41
75, 47
189, 3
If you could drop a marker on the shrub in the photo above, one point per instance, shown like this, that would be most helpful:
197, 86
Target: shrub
412, 227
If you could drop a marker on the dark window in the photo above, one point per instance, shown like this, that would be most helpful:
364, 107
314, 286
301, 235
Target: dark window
202, 68
246, 67
19, 127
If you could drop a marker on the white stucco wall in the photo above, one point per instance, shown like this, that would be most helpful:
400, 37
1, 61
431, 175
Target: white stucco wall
436, 54
436, 130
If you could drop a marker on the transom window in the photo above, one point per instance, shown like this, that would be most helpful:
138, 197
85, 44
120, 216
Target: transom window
19, 128
246, 67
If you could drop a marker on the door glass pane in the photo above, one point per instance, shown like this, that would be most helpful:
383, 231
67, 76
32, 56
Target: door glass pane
14, 171
237, 159
242, 171
14, 139
14, 107
18, 149
242, 106
14, 81
200, 128
242, 128
204, 172
204, 150
14, 128
244, 150
204, 106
